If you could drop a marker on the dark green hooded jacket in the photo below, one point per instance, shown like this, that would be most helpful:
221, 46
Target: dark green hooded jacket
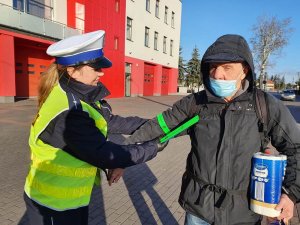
215, 186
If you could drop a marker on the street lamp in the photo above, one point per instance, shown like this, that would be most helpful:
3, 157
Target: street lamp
264, 80
264, 84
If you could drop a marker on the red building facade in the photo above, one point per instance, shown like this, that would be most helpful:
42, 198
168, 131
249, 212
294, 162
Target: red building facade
22, 60
108, 16
23, 55
23, 47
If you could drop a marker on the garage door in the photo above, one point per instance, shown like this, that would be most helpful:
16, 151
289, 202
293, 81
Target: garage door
30, 63
148, 80
165, 81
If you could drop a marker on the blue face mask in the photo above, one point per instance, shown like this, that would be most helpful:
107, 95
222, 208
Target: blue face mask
223, 88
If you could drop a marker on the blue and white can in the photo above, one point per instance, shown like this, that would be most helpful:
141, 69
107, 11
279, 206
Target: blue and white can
266, 183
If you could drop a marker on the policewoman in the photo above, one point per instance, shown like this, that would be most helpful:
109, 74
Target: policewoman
68, 138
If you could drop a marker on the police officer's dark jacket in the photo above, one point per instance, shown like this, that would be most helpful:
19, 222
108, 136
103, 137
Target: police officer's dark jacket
224, 141
74, 131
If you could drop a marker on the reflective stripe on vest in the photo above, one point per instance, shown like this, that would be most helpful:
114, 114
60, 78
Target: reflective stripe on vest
56, 179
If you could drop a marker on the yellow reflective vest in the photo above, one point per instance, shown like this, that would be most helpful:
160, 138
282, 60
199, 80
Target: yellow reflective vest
56, 179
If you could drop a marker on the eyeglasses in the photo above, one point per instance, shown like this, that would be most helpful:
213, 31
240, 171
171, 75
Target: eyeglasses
97, 69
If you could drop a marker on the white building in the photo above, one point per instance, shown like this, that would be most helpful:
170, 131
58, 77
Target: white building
152, 46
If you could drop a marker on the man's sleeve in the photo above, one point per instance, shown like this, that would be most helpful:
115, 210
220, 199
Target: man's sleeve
285, 137
165, 122
118, 124
124, 125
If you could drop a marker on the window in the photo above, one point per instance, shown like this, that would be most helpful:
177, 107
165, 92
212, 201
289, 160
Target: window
129, 29
116, 43
166, 14
165, 45
148, 5
156, 40
19, 5
43, 9
147, 36
117, 5
128, 69
173, 19
171, 47
127, 79
157, 9
79, 16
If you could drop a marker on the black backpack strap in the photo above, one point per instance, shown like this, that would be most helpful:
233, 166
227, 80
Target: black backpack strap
263, 117
200, 103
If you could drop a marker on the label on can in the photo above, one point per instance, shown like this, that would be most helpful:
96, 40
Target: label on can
284, 162
266, 178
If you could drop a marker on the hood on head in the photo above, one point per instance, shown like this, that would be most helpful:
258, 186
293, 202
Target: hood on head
228, 48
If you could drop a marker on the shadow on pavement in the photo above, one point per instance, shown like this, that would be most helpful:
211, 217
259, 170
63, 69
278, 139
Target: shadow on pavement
96, 209
140, 181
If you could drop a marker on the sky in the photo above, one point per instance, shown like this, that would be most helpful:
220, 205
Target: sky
203, 21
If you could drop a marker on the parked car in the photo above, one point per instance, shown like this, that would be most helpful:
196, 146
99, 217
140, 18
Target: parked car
288, 95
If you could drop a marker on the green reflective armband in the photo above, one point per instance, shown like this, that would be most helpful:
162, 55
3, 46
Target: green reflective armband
162, 123
179, 129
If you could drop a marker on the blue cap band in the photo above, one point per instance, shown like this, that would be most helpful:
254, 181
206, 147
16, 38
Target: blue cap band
82, 57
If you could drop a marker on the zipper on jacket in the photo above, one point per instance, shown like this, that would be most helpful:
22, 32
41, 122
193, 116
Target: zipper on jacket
222, 114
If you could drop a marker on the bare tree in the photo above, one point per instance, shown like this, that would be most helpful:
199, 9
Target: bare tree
270, 35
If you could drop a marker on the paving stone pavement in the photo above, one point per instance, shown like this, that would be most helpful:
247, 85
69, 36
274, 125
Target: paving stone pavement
147, 194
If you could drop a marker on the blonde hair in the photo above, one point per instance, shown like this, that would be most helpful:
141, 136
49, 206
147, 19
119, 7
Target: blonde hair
48, 80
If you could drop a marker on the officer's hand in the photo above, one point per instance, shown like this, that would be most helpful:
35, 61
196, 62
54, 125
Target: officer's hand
161, 146
286, 206
114, 175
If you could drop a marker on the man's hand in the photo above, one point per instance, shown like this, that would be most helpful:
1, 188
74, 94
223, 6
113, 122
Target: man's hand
114, 175
161, 146
286, 207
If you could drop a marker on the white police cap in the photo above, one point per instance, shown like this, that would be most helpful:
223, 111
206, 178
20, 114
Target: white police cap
81, 49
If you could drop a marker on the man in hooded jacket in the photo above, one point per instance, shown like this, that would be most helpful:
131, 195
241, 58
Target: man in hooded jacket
215, 185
